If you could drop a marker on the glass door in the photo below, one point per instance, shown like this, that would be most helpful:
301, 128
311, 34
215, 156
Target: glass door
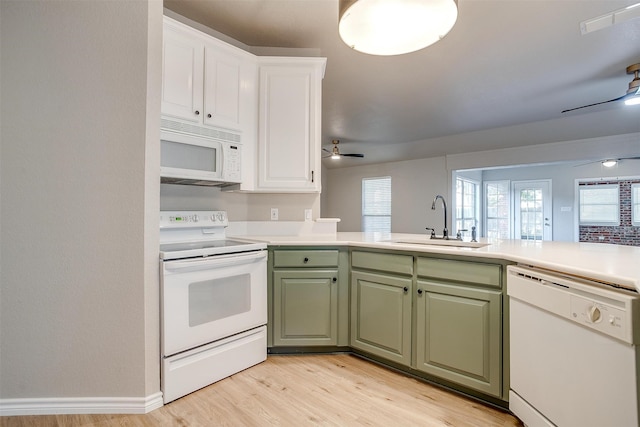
532, 219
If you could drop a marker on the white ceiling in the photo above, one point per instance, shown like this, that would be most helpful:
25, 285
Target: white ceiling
499, 79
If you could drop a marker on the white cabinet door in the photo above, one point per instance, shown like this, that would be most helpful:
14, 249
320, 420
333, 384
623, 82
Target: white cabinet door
182, 75
205, 81
221, 88
289, 124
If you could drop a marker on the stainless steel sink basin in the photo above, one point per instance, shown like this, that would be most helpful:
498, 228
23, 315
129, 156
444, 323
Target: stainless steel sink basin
438, 242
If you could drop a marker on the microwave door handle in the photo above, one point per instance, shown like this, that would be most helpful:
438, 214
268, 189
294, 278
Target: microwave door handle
218, 261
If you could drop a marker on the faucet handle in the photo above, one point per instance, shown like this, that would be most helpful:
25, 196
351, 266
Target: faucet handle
433, 232
459, 233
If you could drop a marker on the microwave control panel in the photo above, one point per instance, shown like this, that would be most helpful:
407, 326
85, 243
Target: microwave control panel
231, 157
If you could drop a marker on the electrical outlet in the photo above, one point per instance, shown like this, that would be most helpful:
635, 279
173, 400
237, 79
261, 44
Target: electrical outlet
274, 214
307, 214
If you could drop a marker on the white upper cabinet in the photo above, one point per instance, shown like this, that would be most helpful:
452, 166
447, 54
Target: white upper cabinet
289, 124
182, 74
205, 81
221, 89
271, 105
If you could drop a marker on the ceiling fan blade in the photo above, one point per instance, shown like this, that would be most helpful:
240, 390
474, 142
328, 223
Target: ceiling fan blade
620, 98
328, 151
352, 155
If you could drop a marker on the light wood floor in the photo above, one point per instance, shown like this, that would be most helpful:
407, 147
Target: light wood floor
304, 390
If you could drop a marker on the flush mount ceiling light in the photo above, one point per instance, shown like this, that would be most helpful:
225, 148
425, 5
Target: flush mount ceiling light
394, 27
609, 163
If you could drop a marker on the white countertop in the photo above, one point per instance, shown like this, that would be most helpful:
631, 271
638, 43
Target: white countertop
616, 264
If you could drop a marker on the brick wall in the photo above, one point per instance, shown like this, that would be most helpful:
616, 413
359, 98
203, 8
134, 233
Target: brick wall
625, 233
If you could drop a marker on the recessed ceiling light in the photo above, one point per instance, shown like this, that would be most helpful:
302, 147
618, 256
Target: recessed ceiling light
609, 163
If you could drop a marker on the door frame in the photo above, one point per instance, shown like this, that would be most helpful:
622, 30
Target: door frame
547, 231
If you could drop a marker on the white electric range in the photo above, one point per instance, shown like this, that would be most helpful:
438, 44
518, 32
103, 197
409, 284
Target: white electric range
213, 301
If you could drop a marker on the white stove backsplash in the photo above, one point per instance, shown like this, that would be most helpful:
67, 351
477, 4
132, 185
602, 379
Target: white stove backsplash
321, 226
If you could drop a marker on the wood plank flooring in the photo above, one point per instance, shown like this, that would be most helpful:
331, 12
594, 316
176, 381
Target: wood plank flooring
303, 390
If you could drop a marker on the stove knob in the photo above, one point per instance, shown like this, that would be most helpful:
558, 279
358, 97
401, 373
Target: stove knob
195, 218
220, 216
594, 314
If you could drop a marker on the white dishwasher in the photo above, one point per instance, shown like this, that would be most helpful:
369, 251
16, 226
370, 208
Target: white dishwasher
573, 351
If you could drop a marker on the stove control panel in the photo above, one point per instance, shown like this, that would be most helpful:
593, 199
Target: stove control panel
193, 219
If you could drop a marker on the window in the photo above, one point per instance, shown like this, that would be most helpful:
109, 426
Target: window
467, 205
497, 209
376, 204
635, 205
599, 204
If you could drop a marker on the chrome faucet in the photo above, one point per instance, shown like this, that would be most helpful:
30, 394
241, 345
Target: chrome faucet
445, 232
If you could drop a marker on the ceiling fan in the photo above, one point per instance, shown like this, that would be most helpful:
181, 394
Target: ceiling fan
335, 153
632, 92
609, 163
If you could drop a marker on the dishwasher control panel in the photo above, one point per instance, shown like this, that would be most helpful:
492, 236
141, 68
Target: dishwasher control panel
600, 316
613, 312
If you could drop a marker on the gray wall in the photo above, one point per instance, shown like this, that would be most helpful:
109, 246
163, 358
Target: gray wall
79, 191
414, 184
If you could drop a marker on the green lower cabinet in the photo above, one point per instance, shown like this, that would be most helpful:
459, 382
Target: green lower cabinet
305, 307
459, 335
381, 315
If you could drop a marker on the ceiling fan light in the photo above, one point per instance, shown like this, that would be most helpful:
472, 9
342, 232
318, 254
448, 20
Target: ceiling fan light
395, 27
335, 153
634, 100
609, 163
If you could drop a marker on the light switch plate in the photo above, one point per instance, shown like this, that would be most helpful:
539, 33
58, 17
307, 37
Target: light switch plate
274, 214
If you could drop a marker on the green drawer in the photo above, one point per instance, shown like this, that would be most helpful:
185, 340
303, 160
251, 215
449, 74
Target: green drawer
308, 258
393, 263
461, 271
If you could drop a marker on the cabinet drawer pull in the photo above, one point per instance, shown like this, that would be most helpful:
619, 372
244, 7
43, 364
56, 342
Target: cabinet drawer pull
335, 279
419, 291
306, 260
209, 115
197, 113
405, 289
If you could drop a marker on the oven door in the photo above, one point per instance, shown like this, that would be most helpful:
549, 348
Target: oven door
206, 299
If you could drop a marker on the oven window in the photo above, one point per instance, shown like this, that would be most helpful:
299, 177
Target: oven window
211, 300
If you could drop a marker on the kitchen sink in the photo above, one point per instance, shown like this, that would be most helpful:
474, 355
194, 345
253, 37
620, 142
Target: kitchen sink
438, 242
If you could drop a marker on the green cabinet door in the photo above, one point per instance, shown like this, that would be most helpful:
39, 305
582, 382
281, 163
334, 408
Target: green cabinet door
381, 315
459, 335
305, 307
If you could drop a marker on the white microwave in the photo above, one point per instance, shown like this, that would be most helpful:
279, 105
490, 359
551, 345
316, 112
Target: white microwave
198, 160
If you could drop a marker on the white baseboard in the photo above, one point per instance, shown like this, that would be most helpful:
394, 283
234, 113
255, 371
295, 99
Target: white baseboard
80, 405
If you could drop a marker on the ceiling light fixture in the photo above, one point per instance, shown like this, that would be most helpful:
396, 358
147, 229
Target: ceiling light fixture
634, 100
394, 27
609, 163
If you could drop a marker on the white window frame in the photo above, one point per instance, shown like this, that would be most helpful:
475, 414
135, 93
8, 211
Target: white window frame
476, 213
612, 223
386, 210
509, 218
635, 204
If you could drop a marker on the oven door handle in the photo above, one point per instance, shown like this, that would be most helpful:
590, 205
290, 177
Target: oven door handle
218, 261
